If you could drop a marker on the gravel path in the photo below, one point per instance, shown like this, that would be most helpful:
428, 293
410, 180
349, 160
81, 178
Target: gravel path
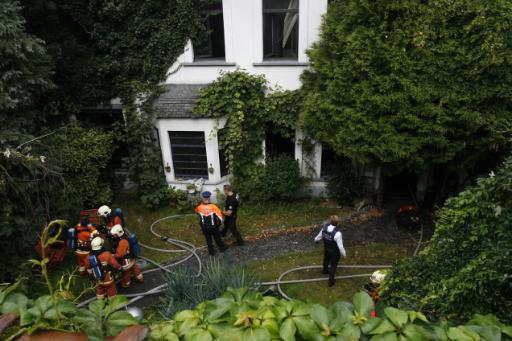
381, 229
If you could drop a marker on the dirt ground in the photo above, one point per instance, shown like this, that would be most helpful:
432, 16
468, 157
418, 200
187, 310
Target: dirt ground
380, 229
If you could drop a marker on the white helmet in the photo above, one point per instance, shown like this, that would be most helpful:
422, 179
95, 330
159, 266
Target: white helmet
117, 231
378, 276
104, 211
97, 243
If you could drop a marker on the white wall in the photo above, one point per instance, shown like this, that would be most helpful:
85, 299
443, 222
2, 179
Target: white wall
243, 33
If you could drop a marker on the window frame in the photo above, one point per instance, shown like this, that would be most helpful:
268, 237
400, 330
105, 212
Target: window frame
207, 13
297, 28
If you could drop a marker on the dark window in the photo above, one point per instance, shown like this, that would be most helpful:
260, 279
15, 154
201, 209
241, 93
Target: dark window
222, 155
280, 29
210, 45
189, 154
328, 164
277, 145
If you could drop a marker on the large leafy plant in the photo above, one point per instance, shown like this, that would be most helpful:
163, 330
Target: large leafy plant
243, 314
104, 318
466, 267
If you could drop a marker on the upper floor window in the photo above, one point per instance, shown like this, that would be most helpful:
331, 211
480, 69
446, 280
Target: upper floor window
280, 29
211, 44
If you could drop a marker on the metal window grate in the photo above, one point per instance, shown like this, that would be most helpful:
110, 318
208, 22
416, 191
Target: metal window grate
188, 150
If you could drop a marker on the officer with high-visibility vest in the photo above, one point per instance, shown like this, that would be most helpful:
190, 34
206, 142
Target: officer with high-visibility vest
125, 256
82, 234
101, 265
333, 247
210, 220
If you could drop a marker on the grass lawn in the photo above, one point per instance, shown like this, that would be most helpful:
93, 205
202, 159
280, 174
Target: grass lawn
251, 221
319, 292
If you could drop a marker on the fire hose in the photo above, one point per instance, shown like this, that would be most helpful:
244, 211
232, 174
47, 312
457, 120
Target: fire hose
191, 249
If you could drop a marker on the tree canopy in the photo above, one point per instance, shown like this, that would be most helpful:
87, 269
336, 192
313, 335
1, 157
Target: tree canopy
407, 84
466, 266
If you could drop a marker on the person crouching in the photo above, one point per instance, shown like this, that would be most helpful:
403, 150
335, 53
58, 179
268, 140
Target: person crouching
333, 247
124, 255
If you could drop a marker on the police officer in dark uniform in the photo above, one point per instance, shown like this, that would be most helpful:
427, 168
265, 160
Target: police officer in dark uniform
333, 247
230, 211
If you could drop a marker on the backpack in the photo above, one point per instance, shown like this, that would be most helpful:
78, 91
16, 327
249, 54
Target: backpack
97, 273
134, 245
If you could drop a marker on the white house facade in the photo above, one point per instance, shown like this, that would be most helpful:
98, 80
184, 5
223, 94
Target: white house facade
268, 37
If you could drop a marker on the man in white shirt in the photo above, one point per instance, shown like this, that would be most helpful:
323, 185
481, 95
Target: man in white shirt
333, 247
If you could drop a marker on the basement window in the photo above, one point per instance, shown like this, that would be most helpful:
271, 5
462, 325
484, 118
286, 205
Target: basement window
277, 145
210, 45
188, 151
280, 29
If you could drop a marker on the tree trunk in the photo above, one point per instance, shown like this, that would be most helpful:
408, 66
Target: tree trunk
421, 186
380, 187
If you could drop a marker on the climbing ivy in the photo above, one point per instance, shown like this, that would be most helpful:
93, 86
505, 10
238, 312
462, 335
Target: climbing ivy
252, 108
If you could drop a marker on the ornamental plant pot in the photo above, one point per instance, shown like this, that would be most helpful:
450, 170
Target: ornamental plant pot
7, 320
132, 333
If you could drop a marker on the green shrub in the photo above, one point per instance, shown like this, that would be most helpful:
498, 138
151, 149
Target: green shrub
466, 267
185, 291
245, 315
278, 179
166, 195
343, 184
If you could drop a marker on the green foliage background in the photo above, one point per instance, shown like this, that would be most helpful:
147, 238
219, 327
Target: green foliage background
408, 84
466, 267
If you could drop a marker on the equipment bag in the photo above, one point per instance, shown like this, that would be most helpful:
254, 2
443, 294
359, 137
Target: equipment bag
96, 267
71, 238
134, 245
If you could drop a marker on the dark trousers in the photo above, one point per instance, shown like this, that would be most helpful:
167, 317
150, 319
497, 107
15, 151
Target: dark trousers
331, 259
212, 233
230, 224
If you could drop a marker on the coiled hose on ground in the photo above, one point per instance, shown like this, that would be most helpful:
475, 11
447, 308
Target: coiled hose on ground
192, 250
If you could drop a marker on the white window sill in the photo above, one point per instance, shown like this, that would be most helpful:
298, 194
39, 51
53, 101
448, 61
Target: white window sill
209, 63
281, 63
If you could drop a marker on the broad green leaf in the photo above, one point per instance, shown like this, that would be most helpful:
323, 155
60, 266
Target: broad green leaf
389, 336
115, 303
43, 303
66, 307
25, 318
117, 321
184, 315
370, 325
397, 316
384, 327
17, 298
307, 327
413, 315
231, 335
484, 320
9, 307
320, 314
197, 334
272, 326
507, 330
96, 307
288, 330
94, 333
350, 332
363, 303
489, 333
257, 334
217, 308
414, 332
187, 325
6, 290
462, 334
